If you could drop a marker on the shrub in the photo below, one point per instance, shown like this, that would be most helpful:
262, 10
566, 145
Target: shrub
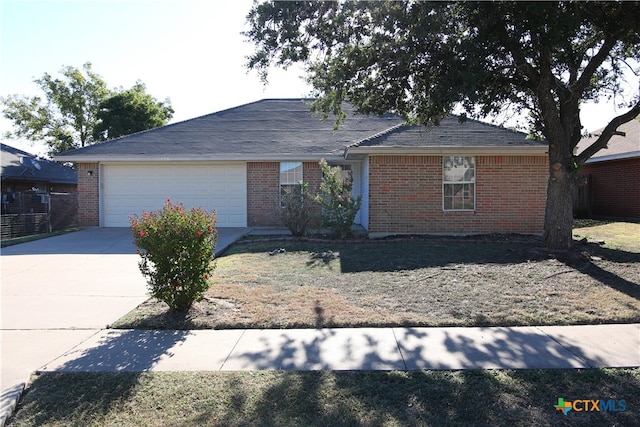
177, 250
339, 207
296, 212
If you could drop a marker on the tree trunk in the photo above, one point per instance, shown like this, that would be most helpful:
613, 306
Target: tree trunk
562, 185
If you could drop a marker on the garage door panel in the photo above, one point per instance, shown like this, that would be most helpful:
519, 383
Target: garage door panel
133, 188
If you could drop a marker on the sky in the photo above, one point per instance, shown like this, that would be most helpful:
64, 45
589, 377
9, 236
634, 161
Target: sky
190, 51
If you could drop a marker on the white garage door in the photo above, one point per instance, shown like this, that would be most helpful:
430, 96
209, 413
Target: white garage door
129, 189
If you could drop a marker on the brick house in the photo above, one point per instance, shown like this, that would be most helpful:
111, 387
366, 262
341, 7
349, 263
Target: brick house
467, 177
612, 176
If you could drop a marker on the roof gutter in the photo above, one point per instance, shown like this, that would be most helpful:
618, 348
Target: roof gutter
83, 158
448, 150
620, 156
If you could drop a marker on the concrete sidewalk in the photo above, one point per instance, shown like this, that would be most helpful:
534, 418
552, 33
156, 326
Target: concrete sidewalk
529, 347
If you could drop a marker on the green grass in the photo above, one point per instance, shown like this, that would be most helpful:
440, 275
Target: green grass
321, 398
613, 234
410, 282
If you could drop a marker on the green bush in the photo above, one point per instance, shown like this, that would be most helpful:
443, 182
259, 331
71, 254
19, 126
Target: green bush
296, 208
339, 207
177, 250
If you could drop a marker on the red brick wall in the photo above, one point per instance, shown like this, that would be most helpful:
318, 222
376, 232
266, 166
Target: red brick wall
88, 198
263, 181
263, 191
615, 187
405, 196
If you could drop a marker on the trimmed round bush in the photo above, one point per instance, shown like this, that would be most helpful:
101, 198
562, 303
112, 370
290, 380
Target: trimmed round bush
177, 248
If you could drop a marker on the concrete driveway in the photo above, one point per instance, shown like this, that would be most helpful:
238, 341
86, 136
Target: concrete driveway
60, 291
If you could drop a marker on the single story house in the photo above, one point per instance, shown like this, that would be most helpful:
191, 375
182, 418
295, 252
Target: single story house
22, 171
465, 178
612, 175
38, 195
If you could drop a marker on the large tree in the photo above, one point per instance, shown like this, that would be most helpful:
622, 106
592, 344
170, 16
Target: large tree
129, 111
78, 109
65, 118
423, 59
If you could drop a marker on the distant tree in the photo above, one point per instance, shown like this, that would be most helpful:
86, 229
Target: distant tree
130, 111
79, 110
421, 59
66, 117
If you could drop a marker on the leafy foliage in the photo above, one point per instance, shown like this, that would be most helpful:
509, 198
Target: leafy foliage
339, 206
66, 117
177, 250
131, 111
296, 211
422, 59
78, 110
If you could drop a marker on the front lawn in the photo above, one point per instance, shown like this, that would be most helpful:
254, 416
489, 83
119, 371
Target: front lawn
612, 234
323, 398
409, 282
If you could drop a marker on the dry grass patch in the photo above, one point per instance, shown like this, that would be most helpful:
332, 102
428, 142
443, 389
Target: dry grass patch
419, 282
324, 398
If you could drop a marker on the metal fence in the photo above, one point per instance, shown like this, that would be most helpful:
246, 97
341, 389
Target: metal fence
29, 212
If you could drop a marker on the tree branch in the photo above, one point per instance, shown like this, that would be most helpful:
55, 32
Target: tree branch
610, 130
592, 66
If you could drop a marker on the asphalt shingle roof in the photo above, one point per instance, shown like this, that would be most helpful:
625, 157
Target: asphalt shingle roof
450, 133
271, 126
618, 146
14, 169
285, 127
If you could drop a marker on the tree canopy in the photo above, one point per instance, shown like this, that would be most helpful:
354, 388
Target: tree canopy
78, 109
130, 111
423, 59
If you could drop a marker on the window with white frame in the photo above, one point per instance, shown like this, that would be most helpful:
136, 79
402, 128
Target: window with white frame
458, 183
345, 171
290, 178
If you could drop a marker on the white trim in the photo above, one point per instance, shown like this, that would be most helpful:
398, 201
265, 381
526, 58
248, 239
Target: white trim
364, 207
619, 156
473, 182
448, 150
198, 159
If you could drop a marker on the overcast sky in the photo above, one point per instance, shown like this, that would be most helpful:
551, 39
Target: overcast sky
190, 51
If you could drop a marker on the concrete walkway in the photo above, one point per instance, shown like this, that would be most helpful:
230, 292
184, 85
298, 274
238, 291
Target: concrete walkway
380, 349
60, 294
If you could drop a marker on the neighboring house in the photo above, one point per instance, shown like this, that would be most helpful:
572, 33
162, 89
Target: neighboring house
37, 194
467, 177
22, 171
612, 175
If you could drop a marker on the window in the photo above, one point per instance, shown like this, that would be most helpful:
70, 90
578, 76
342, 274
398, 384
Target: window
290, 178
458, 183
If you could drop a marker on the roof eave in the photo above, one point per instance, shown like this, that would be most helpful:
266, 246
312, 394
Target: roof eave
98, 158
449, 150
610, 157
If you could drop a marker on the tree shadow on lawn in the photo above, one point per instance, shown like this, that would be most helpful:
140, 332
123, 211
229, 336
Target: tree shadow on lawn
427, 252
130, 351
272, 398
583, 257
